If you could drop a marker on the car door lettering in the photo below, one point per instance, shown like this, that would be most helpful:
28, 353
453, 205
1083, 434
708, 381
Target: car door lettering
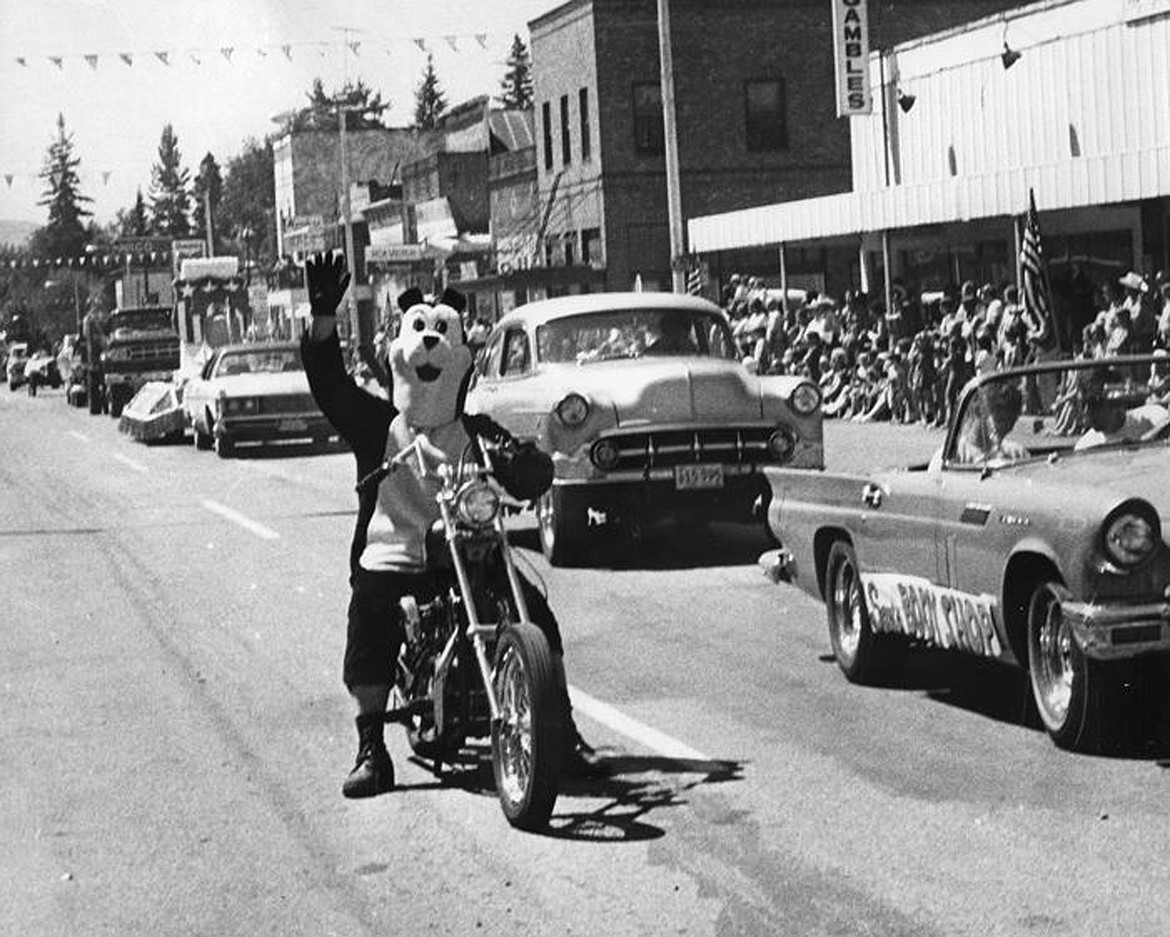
919, 608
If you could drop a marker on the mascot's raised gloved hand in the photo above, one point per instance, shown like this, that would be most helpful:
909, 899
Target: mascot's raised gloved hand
327, 281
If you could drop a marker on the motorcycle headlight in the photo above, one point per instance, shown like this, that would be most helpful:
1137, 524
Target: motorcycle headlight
477, 504
605, 454
1130, 534
573, 410
805, 398
781, 444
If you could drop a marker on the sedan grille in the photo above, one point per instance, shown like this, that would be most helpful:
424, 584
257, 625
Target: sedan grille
287, 403
729, 445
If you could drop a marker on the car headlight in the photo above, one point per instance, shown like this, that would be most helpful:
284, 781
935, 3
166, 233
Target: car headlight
805, 398
573, 410
477, 504
605, 454
781, 444
1130, 534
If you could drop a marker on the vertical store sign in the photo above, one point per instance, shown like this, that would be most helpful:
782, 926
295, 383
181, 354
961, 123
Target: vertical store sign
851, 57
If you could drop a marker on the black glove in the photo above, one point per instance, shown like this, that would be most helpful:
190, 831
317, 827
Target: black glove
327, 280
480, 424
525, 472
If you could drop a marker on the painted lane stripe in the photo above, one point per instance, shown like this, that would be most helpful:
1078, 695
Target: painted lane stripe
132, 463
76, 435
265, 533
631, 728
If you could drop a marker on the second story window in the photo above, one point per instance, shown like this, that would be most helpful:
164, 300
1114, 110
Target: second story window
566, 148
764, 115
546, 119
648, 136
583, 107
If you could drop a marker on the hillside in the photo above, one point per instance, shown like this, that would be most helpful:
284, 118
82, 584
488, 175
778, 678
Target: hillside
15, 233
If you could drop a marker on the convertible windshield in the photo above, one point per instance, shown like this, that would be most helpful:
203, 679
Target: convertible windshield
632, 333
1070, 406
269, 361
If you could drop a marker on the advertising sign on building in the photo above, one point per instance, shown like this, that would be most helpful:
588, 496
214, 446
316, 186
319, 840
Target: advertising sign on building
186, 249
851, 57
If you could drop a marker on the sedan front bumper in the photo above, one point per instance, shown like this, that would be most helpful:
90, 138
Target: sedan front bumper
1113, 631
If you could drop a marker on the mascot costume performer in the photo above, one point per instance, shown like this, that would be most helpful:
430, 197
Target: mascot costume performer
430, 367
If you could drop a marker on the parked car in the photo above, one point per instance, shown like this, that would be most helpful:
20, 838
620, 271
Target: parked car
1035, 536
40, 370
253, 393
14, 367
645, 409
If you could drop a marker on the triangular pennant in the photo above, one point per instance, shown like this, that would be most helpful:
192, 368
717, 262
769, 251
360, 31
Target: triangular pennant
481, 38
287, 50
353, 46
106, 177
164, 57
196, 59
226, 52
126, 57
57, 60
92, 61
422, 44
8, 179
261, 52
22, 61
58, 175
451, 43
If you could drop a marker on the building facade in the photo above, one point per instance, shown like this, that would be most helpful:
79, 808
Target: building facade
754, 100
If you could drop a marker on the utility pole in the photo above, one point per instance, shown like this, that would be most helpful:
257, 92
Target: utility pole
670, 133
355, 333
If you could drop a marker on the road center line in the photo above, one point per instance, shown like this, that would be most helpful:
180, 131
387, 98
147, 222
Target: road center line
265, 533
132, 463
76, 435
631, 728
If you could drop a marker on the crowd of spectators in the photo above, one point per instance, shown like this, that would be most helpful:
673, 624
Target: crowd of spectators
907, 364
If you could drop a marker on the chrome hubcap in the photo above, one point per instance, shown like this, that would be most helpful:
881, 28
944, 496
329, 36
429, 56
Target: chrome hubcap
847, 605
546, 520
1052, 667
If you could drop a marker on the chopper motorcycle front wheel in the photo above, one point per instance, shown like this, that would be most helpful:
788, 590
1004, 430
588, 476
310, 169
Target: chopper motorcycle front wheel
527, 738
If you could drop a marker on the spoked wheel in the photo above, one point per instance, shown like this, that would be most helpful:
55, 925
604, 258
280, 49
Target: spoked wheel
863, 655
1066, 686
526, 740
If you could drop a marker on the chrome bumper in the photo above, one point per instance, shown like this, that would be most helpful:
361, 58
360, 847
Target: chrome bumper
1112, 632
777, 565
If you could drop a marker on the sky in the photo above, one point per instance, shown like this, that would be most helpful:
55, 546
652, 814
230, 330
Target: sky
230, 67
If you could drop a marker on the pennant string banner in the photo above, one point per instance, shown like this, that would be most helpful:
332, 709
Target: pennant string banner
163, 57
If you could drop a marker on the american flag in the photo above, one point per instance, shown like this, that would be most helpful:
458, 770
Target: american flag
1037, 297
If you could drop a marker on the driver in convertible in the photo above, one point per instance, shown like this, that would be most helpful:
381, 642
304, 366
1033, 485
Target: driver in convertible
989, 419
674, 336
1117, 412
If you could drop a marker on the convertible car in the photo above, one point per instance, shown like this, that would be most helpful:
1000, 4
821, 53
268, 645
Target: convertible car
253, 393
1034, 536
645, 409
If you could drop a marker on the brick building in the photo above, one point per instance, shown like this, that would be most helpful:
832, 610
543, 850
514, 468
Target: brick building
755, 112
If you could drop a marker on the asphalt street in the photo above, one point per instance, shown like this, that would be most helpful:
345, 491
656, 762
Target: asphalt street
173, 734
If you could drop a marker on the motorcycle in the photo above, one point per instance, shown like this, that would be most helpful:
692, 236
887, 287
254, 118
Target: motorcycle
472, 663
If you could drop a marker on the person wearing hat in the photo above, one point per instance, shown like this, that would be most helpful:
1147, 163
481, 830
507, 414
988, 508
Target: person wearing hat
1117, 410
1141, 319
987, 422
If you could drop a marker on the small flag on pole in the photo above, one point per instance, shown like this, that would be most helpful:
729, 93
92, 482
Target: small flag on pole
697, 277
1034, 280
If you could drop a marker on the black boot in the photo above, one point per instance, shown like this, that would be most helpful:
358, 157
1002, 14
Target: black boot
581, 760
373, 772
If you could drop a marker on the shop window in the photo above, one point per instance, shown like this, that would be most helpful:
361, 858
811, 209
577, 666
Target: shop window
591, 246
764, 116
648, 134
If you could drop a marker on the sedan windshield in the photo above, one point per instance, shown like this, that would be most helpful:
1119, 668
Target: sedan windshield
632, 333
269, 361
1066, 407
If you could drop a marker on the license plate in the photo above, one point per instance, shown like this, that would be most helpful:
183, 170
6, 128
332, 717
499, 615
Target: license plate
698, 476
291, 426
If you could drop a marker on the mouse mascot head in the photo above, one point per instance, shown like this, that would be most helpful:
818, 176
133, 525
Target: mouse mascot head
429, 362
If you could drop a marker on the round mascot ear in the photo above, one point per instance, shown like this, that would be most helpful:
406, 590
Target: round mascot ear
454, 299
412, 297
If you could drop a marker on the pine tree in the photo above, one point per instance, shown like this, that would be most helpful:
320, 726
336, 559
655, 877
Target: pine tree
429, 100
363, 106
64, 235
517, 81
208, 187
135, 222
170, 197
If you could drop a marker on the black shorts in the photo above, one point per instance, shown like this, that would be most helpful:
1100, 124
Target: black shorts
374, 630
